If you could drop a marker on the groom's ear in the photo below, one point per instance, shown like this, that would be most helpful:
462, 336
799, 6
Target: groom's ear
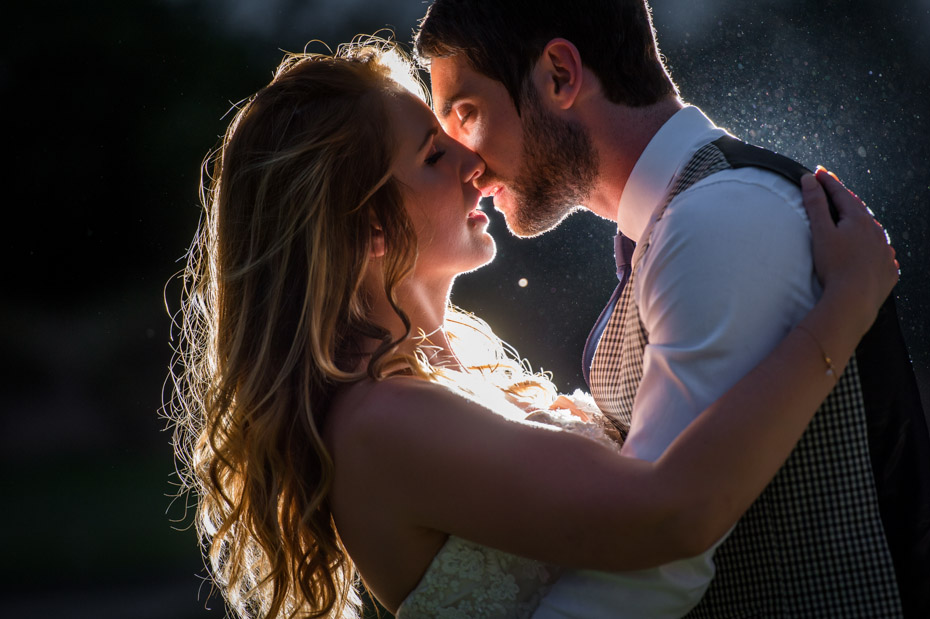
559, 73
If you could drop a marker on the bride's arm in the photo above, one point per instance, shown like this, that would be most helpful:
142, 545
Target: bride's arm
432, 459
803, 369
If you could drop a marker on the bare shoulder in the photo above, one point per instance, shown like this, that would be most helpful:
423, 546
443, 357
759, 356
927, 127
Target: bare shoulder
369, 404
374, 433
370, 417
361, 409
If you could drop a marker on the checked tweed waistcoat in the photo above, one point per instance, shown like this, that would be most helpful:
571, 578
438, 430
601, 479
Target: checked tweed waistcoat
813, 544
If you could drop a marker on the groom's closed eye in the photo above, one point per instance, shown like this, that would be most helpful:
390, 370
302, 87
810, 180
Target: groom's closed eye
463, 113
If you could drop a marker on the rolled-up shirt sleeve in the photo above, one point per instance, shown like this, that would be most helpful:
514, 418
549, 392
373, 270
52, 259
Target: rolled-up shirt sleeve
727, 273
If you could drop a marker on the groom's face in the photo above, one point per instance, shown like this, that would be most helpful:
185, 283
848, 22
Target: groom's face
539, 167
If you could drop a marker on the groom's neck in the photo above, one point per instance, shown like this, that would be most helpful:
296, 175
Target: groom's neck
620, 135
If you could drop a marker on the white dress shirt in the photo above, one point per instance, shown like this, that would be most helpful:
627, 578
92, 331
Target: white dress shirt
727, 274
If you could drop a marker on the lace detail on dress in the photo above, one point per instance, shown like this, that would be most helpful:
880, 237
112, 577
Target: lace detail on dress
467, 580
596, 427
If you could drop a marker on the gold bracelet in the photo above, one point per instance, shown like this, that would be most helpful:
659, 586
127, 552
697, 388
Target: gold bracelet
831, 370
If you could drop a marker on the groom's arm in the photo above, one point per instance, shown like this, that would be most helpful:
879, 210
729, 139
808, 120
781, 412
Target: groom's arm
727, 274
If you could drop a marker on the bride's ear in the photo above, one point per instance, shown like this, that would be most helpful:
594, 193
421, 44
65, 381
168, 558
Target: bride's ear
376, 248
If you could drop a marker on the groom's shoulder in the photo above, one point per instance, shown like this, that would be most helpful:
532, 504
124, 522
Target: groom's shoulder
755, 185
743, 198
746, 219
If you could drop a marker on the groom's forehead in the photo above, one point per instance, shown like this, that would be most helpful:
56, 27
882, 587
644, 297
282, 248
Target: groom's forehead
453, 79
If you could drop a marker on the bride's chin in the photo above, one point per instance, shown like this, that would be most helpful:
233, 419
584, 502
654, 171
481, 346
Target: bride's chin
486, 259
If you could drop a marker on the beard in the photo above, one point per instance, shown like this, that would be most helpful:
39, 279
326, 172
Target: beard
558, 172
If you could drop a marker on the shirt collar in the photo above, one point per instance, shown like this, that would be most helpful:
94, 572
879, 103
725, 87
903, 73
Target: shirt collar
669, 149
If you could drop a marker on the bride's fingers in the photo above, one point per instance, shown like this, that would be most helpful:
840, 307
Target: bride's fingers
846, 202
565, 403
855, 241
815, 202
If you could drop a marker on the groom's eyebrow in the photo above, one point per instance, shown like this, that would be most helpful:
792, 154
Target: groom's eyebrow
447, 105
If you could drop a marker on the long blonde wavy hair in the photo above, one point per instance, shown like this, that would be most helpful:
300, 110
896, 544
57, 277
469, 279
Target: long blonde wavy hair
271, 319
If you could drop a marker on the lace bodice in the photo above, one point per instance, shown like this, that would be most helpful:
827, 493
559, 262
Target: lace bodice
466, 580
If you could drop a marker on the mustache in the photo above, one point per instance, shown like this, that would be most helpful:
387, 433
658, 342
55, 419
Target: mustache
490, 177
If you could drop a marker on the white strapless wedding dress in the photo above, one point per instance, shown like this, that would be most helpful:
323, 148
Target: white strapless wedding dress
468, 581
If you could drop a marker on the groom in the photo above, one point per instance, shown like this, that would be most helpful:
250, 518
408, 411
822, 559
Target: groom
570, 103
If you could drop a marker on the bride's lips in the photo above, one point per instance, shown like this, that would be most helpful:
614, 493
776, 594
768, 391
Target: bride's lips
477, 215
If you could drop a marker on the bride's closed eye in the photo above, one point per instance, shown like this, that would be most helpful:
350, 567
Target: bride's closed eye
434, 157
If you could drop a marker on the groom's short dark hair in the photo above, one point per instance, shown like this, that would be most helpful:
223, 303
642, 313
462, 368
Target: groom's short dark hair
503, 39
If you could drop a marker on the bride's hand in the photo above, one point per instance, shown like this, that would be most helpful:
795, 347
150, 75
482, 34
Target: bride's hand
852, 257
565, 403
560, 403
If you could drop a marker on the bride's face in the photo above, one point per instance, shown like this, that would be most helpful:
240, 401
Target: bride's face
437, 177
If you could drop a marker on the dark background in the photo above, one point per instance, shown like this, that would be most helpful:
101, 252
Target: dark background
110, 108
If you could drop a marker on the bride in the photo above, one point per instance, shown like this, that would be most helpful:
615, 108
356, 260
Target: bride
336, 417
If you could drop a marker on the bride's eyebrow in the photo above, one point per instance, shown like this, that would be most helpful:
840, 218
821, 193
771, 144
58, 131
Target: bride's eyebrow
429, 135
